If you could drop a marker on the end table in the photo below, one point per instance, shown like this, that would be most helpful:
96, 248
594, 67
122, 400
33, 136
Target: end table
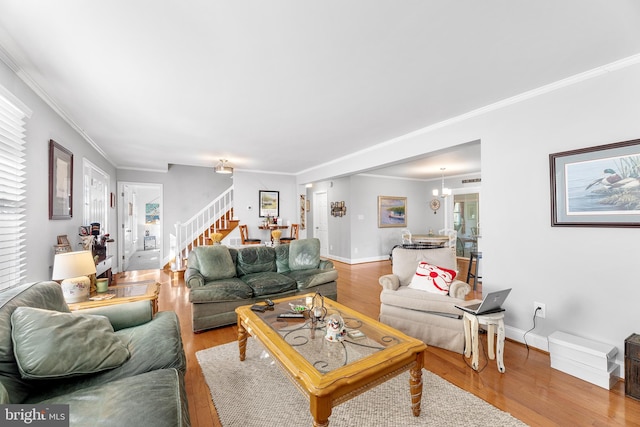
471, 323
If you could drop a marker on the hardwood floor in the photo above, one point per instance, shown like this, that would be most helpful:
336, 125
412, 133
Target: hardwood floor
530, 390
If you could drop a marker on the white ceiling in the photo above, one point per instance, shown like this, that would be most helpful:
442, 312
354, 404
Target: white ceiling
287, 85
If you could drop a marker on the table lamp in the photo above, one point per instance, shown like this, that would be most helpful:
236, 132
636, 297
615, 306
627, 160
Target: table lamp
73, 268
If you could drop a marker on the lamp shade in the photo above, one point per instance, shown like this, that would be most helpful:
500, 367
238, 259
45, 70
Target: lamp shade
73, 268
73, 264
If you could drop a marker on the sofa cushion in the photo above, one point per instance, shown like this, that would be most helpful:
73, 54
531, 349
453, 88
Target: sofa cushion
282, 258
214, 262
415, 300
221, 290
304, 254
255, 259
4, 395
50, 344
306, 279
268, 283
151, 399
432, 278
154, 345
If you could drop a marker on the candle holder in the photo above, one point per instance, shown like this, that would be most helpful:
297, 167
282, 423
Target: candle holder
317, 310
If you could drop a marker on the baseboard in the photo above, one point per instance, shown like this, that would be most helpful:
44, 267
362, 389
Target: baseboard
539, 342
358, 260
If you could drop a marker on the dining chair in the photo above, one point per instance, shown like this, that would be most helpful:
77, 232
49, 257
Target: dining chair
244, 237
293, 235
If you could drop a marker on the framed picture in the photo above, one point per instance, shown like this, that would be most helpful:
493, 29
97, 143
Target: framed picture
392, 211
112, 200
596, 186
60, 182
152, 213
269, 203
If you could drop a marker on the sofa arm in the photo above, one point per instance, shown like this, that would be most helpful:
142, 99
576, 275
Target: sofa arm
326, 264
459, 289
390, 281
124, 316
193, 278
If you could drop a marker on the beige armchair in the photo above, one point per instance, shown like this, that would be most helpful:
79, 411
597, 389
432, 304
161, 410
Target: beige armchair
428, 316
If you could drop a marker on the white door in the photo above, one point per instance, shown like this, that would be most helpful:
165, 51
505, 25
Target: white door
126, 220
321, 221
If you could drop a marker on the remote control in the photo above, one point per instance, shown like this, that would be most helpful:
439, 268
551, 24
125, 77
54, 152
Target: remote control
291, 315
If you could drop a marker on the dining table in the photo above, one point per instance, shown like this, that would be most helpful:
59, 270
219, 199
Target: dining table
433, 240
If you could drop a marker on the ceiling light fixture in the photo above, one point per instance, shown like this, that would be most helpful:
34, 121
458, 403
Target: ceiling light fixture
223, 167
445, 191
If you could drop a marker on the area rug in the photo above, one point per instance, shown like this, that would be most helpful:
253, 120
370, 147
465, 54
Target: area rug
257, 392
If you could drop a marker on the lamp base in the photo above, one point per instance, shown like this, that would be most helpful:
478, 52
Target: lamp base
76, 289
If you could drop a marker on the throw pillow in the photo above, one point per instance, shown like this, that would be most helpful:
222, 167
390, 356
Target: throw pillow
51, 344
432, 278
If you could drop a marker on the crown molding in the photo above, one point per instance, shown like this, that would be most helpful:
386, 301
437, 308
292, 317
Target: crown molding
7, 58
577, 78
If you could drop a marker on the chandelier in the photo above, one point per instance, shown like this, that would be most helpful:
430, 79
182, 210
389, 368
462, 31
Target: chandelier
445, 191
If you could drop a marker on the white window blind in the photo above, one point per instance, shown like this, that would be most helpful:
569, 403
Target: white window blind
12, 191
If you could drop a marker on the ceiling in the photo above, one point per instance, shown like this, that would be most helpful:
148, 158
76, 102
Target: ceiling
289, 85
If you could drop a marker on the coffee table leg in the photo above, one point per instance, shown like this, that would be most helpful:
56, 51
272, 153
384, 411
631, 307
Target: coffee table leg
415, 384
242, 340
320, 410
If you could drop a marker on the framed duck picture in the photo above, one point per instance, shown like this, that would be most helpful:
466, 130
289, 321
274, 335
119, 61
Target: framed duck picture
596, 186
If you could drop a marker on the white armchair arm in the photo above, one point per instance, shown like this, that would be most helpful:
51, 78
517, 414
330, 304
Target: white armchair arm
390, 281
459, 289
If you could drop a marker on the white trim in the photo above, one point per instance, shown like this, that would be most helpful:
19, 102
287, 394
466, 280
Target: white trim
577, 78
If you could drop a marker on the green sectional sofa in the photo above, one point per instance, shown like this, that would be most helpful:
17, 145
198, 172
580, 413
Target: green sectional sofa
112, 366
222, 278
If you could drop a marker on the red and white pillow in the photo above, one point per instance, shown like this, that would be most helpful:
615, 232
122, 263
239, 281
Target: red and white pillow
432, 278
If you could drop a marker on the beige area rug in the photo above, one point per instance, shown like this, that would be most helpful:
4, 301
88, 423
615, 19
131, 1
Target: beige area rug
257, 392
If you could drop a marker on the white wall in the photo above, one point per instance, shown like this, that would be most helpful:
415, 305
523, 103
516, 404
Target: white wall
46, 124
585, 276
246, 191
186, 190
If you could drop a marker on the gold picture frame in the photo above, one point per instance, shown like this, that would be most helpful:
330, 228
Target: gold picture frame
392, 211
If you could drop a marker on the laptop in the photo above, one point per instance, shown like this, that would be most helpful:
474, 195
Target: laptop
491, 303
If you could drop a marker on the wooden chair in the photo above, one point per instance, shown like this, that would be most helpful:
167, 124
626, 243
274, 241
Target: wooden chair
244, 237
293, 235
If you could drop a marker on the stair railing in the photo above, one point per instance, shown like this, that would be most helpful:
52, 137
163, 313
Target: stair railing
198, 227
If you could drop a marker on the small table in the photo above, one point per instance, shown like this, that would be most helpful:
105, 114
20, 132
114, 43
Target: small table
471, 323
330, 373
127, 292
148, 240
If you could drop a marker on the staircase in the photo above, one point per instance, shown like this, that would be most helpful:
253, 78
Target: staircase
216, 217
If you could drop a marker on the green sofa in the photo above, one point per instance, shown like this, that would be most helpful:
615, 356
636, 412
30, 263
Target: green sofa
222, 278
114, 366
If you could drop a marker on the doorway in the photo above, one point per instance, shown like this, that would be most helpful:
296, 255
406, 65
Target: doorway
321, 221
140, 217
466, 220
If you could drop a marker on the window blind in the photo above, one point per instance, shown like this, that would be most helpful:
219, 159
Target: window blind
12, 192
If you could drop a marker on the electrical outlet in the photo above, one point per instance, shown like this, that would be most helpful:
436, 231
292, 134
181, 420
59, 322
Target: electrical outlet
543, 309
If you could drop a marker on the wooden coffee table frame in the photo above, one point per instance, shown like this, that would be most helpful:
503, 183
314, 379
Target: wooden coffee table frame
330, 389
151, 295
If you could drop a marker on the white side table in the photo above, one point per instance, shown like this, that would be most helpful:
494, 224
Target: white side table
471, 323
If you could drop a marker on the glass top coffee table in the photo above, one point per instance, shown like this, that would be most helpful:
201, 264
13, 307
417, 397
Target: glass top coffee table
332, 372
